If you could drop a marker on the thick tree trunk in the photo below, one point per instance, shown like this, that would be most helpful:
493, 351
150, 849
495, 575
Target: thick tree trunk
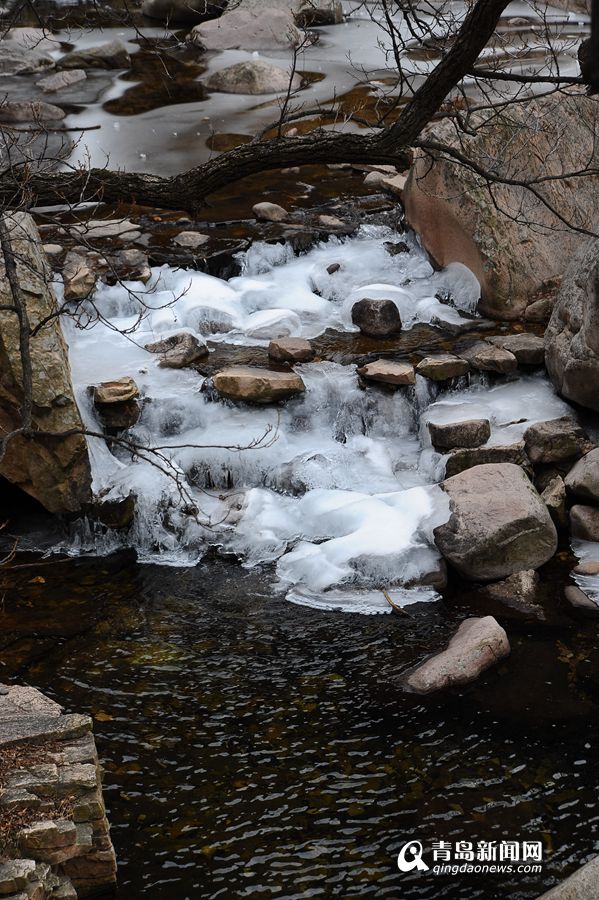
189, 190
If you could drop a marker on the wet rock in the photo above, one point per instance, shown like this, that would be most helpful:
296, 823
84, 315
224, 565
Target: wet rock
498, 524
252, 77
584, 522
582, 481
394, 248
589, 567
316, 14
582, 885
256, 385
269, 212
529, 349
477, 645
56, 472
290, 350
388, 372
491, 235
17, 59
112, 55
376, 318
178, 350
12, 112
61, 80
487, 358
242, 29
334, 267
555, 441
116, 403
572, 336
442, 367
580, 601
554, 498
521, 591
118, 513
471, 433
128, 265
466, 458
98, 229
191, 239
539, 311
79, 275
181, 12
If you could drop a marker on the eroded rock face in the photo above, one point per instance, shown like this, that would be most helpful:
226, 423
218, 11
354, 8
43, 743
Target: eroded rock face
513, 264
242, 29
252, 77
178, 350
61, 80
572, 336
471, 433
477, 645
498, 525
55, 472
376, 318
387, 371
256, 385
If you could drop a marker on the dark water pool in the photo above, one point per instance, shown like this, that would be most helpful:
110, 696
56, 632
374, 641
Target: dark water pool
255, 748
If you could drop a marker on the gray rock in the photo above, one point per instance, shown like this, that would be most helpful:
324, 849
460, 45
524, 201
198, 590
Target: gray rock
376, 318
178, 351
242, 29
584, 522
181, 12
112, 55
477, 645
290, 350
487, 358
386, 371
582, 481
253, 77
555, 441
554, 498
51, 728
539, 311
191, 239
498, 525
529, 349
17, 59
15, 875
466, 458
442, 367
521, 591
61, 80
13, 112
270, 212
471, 433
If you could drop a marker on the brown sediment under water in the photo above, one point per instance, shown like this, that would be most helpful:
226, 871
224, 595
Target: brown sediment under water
257, 748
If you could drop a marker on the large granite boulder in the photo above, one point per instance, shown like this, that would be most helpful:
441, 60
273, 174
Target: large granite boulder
572, 336
244, 29
498, 523
582, 481
460, 220
253, 77
477, 645
56, 471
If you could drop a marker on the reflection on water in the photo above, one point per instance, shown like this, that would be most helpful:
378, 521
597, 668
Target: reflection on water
253, 747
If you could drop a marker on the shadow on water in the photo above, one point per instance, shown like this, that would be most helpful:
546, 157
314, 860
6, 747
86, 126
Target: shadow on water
253, 747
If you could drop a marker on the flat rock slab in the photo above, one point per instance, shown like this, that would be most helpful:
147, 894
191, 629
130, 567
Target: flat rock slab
290, 350
21, 700
449, 436
476, 646
498, 524
388, 372
256, 385
442, 367
61, 80
580, 886
529, 349
487, 358
555, 440
582, 481
36, 729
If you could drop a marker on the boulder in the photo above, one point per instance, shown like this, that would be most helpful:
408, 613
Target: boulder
487, 358
582, 481
79, 275
555, 441
253, 77
386, 371
269, 212
572, 336
290, 350
181, 12
589, 567
12, 112
256, 385
116, 403
316, 13
112, 55
442, 367
459, 219
17, 59
584, 522
466, 458
376, 318
471, 433
179, 350
554, 498
529, 349
54, 471
191, 239
61, 80
498, 523
242, 29
477, 645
